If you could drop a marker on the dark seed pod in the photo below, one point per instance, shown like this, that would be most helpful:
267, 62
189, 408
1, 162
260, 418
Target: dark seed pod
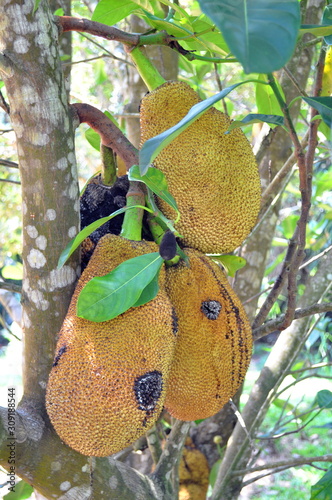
167, 247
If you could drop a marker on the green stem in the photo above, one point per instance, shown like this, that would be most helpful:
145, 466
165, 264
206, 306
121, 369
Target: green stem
151, 76
108, 167
158, 232
132, 222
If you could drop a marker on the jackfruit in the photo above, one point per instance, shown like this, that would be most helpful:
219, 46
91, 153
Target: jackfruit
213, 347
213, 176
193, 473
108, 382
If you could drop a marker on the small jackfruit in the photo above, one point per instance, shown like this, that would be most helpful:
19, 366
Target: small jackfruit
108, 382
193, 473
213, 347
213, 176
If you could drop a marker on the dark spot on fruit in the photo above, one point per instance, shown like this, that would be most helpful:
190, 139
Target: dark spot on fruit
61, 351
148, 388
175, 326
211, 309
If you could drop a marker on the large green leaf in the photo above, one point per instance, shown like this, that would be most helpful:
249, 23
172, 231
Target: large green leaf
231, 263
272, 120
149, 292
327, 19
322, 490
316, 29
323, 106
75, 242
261, 34
105, 297
266, 100
156, 181
324, 399
111, 12
152, 147
22, 491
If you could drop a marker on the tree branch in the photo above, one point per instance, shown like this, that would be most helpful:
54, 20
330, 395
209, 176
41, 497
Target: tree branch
8, 163
276, 324
111, 136
283, 463
11, 287
171, 455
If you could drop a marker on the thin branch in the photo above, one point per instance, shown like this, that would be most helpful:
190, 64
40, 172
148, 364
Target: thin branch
10, 181
305, 165
311, 367
91, 40
284, 463
6, 131
275, 324
68, 23
295, 82
265, 143
110, 134
316, 257
11, 287
274, 185
257, 295
154, 444
3, 104
278, 284
8, 163
171, 455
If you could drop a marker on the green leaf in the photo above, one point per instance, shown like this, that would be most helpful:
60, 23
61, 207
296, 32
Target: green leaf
324, 399
231, 263
152, 147
22, 491
322, 490
316, 29
257, 118
327, 19
12, 272
162, 220
75, 242
156, 181
324, 107
266, 100
214, 472
111, 12
149, 292
261, 34
36, 5
105, 297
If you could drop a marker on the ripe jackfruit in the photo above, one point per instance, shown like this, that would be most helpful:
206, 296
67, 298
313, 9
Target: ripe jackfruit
214, 341
108, 382
212, 176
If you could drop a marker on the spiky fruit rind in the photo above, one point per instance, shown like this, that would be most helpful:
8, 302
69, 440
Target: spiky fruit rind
214, 342
213, 176
108, 381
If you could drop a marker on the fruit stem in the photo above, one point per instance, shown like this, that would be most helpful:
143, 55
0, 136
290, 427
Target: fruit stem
132, 222
108, 165
158, 232
149, 73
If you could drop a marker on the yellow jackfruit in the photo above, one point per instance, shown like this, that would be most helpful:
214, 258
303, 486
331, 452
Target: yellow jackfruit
213, 347
193, 473
108, 382
212, 176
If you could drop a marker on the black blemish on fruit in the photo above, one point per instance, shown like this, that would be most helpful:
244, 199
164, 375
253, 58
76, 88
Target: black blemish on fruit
175, 326
211, 309
148, 388
167, 247
61, 351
